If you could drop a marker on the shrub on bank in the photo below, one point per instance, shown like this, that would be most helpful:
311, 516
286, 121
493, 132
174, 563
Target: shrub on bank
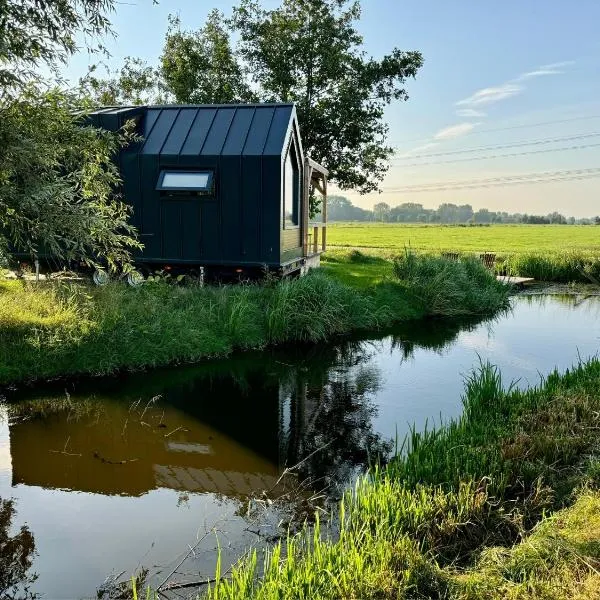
447, 287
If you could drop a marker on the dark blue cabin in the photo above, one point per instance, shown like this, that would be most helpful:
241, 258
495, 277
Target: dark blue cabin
222, 187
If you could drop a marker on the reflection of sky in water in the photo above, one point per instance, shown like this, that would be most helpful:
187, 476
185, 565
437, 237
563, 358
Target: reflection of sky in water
189, 472
541, 333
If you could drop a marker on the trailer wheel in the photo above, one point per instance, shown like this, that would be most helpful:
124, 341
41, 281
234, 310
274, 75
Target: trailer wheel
100, 277
135, 279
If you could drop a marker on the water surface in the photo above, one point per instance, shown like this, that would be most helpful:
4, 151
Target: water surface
115, 474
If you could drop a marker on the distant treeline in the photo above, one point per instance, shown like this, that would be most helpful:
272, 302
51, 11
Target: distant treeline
340, 208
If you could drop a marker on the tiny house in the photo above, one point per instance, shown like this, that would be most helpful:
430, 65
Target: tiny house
222, 187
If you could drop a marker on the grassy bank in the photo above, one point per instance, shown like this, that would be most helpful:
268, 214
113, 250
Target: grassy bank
561, 267
502, 503
48, 329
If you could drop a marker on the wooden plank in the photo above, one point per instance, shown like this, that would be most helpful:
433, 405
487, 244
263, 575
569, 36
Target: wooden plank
508, 280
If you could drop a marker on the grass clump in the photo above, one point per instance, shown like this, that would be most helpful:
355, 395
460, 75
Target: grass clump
50, 329
451, 288
559, 559
462, 512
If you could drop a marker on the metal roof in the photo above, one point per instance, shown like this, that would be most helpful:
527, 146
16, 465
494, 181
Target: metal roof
213, 130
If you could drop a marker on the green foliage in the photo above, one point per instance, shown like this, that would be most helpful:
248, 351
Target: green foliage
57, 182
451, 288
565, 267
200, 66
57, 178
309, 52
44, 32
558, 560
134, 83
425, 526
50, 330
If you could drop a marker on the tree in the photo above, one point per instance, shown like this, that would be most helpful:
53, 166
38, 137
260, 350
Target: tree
381, 211
57, 177
307, 52
134, 83
43, 32
57, 180
200, 67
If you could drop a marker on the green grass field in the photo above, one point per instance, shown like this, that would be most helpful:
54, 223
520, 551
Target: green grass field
495, 238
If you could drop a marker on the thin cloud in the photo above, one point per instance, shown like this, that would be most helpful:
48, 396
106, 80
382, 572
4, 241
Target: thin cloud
538, 73
470, 112
491, 95
418, 149
558, 65
454, 131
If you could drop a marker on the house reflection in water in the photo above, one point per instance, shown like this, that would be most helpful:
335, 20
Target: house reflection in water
228, 428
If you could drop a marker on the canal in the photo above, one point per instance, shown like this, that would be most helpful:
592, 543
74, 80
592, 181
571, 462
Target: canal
146, 471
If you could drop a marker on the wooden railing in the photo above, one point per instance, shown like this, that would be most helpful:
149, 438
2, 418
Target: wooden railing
317, 237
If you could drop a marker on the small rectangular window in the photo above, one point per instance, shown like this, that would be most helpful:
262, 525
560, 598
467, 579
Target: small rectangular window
195, 181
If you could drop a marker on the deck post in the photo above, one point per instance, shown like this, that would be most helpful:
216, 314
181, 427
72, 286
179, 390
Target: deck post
324, 213
306, 204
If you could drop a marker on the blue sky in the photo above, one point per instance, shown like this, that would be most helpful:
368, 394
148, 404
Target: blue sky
495, 74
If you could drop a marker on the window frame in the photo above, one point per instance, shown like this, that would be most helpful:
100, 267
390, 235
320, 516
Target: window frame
296, 190
208, 189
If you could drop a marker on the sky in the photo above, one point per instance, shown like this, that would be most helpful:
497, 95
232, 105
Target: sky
497, 77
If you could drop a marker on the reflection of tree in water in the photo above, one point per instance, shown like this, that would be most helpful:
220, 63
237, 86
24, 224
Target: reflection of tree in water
16, 555
434, 334
332, 413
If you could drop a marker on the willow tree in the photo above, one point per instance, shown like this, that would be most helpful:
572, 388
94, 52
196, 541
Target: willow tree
57, 176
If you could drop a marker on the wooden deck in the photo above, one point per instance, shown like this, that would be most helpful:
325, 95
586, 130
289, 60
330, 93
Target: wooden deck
519, 281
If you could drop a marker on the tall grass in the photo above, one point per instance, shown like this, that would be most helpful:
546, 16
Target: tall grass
51, 329
562, 267
426, 525
451, 288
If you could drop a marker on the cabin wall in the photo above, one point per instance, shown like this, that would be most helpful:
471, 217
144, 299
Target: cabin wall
241, 224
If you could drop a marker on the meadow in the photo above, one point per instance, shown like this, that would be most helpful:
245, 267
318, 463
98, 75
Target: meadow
456, 238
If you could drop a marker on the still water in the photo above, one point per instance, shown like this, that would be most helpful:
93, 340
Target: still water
143, 471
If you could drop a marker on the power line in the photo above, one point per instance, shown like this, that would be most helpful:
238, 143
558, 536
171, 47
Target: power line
530, 178
480, 131
491, 156
503, 146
